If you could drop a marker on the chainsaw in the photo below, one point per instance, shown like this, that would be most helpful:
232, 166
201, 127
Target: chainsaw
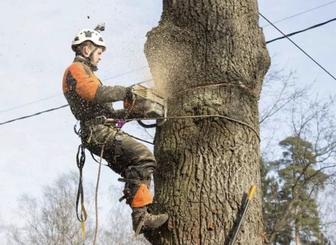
146, 103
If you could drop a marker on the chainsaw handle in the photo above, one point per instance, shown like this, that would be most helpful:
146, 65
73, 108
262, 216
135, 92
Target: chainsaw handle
142, 124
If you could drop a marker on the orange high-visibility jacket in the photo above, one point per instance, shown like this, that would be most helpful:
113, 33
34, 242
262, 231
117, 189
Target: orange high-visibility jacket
86, 95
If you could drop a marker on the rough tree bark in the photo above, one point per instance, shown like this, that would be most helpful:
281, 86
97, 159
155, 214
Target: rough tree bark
209, 56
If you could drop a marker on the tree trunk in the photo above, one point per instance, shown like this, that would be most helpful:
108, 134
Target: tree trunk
297, 234
209, 57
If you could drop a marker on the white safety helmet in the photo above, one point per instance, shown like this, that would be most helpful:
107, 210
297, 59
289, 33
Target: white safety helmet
88, 35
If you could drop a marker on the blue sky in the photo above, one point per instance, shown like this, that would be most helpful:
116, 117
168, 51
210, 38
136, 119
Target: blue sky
35, 40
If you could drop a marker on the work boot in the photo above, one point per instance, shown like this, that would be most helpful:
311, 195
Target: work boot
142, 220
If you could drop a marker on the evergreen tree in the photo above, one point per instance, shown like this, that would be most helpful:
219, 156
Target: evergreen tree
273, 205
290, 186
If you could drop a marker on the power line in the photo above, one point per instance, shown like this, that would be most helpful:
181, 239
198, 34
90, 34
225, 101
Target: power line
125, 73
300, 13
300, 31
52, 109
35, 114
56, 95
28, 103
268, 42
144, 81
296, 45
143, 67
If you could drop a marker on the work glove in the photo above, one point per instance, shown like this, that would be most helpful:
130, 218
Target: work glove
129, 98
132, 105
129, 93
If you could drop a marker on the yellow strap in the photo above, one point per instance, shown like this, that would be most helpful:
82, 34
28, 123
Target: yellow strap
83, 230
252, 191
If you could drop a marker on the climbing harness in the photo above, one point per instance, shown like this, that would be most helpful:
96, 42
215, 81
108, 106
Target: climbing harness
105, 120
82, 214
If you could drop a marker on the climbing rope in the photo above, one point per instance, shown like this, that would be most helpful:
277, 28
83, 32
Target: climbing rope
80, 208
81, 211
196, 116
96, 194
112, 134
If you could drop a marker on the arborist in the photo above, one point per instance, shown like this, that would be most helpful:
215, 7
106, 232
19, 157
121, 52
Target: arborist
90, 102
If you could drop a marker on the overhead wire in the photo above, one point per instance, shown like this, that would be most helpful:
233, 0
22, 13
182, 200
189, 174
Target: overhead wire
51, 109
59, 94
121, 74
300, 31
144, 81
29, 103
297, 46
300, 13
125, 73
146, 66
34, 114
143, 67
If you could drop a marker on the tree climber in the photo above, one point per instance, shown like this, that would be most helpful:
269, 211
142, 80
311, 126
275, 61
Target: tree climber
91, 101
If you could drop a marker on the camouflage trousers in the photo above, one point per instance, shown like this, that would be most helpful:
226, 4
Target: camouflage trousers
121, 151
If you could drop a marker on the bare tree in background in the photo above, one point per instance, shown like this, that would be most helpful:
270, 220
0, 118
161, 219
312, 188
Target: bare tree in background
210, 59
279, 91
308, 164
51, 219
